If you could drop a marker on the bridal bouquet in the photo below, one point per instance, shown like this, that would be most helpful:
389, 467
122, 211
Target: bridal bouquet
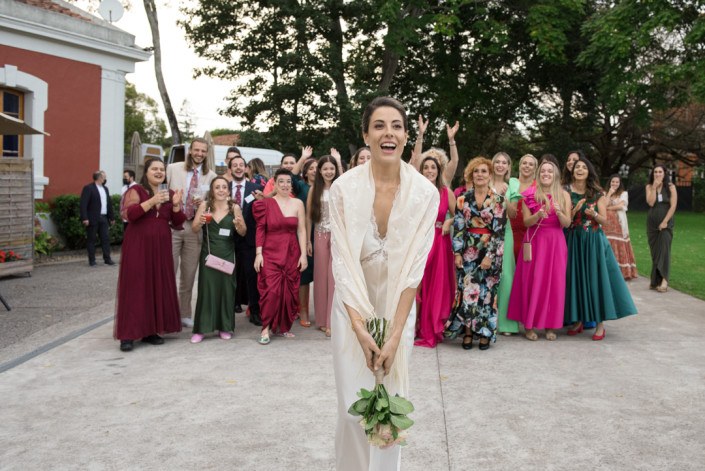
384, 417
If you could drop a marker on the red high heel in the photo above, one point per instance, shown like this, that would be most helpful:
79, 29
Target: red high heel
600, 337
576, 331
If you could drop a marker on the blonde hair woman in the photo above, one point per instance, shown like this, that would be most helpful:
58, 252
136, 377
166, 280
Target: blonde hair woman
538, 291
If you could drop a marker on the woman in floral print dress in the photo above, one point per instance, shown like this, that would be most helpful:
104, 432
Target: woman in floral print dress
478, 244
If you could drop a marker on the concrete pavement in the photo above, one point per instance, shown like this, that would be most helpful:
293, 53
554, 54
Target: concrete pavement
633, 401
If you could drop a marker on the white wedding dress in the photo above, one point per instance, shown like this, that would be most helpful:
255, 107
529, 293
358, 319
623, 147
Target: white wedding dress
353, 452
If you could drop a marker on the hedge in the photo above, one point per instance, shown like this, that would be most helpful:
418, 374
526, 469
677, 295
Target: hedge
66, 212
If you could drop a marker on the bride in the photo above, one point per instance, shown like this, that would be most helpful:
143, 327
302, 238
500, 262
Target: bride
382, 216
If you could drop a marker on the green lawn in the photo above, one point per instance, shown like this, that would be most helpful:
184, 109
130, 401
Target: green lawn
687, 251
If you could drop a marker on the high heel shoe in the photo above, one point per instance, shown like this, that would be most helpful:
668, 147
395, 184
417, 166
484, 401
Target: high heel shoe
576, 331
600, 337
467, 345
486, 345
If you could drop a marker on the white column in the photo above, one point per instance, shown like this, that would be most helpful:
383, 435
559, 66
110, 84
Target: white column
112, 126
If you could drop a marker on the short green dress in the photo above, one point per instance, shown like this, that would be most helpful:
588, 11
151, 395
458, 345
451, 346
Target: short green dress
595, 288
215, 306
508, 265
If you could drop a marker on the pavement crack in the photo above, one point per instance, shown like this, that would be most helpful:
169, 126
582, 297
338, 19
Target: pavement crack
443, 405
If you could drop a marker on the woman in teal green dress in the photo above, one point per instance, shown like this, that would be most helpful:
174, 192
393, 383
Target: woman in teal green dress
595, 288
219, 219
509, 188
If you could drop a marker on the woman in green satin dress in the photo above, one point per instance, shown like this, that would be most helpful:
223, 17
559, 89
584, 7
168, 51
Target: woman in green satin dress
595, 288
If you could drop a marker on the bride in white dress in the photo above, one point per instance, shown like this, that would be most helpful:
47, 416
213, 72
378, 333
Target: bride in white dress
382, 216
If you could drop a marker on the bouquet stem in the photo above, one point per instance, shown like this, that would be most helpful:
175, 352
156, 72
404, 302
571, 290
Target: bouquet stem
384, 417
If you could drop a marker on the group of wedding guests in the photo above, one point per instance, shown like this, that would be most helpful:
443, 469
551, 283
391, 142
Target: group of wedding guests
253, 240
542, 250
545, 250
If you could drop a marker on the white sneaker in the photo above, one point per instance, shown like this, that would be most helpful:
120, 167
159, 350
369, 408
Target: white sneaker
186, 322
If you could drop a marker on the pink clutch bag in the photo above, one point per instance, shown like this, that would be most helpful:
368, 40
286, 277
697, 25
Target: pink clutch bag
219, 264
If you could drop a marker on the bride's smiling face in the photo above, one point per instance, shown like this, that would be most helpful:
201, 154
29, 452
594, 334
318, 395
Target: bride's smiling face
386, 134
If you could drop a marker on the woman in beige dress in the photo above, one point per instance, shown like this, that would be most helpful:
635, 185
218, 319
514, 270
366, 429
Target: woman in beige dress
382, 224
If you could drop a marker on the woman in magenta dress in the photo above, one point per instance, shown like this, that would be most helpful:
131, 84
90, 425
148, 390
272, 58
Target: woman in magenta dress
146, 304
538, 292
437, 290
280, 256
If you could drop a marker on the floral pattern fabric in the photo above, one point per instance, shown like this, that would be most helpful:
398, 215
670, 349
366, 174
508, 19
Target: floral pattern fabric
476, 300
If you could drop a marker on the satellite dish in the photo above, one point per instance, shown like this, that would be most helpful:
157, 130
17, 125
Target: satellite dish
111, 10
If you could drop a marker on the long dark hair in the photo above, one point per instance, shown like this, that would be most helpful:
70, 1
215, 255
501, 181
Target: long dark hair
439, 177
319, 185
620, 188
666, 176
210, 199
592, 184
567, 177
307, 166
143, 181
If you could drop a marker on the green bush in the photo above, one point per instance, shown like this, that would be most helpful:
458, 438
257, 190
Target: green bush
67, 216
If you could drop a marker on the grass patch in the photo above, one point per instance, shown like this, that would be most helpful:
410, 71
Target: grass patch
687, 260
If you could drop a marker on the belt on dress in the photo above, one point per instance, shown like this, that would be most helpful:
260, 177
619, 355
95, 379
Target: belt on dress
479, 230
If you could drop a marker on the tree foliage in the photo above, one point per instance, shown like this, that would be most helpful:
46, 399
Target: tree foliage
142, 116
612, 77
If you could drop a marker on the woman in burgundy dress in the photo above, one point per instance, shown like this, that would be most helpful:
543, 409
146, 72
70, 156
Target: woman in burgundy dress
146, 303
280, 256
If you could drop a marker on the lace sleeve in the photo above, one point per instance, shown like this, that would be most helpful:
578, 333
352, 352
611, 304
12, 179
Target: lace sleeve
131, 208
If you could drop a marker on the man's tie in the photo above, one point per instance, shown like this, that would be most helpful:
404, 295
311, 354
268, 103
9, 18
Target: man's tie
238, 195
190, 210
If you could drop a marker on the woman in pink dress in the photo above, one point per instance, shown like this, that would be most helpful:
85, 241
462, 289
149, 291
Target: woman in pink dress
437, 290
146, 304
280, 256
318, 220
538, 292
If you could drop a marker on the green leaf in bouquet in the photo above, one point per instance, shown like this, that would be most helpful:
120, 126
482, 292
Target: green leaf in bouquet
382, 403
402, 421
364, 393
361, 406
399, 405
381, 417
370, 425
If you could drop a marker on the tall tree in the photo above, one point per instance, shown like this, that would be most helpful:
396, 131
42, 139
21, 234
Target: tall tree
151, 10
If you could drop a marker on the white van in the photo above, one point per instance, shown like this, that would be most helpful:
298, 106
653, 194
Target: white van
270, 157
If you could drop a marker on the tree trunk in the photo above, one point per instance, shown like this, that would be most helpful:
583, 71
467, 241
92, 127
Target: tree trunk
151, 10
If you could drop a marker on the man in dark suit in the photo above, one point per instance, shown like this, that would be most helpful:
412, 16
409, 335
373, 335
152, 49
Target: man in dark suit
97, 216
243, 193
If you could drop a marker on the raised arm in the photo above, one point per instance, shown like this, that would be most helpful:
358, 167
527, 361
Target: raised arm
452, 166
415, 160
339, 160
306, 152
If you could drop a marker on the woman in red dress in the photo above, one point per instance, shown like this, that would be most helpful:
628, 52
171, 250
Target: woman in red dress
280, 256
146, 303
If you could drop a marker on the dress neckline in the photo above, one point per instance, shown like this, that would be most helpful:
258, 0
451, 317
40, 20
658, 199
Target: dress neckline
282, 212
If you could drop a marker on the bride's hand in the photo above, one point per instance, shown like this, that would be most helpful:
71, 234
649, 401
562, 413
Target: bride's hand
386, 357
367, 343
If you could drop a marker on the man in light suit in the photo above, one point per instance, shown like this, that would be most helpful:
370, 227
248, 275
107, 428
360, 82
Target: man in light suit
186, 244
243, 192
97, 216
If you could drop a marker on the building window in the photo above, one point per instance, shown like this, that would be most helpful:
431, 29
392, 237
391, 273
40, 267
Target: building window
12, 104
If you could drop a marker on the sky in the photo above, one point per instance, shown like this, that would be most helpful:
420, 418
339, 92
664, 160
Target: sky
205, 95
